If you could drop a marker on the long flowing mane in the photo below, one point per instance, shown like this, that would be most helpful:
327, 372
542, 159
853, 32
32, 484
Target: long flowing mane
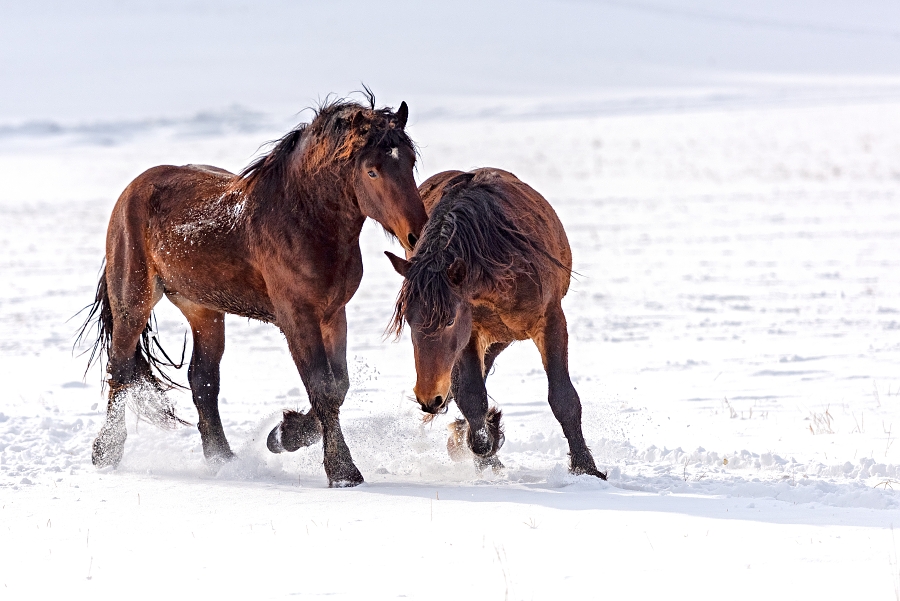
340, 129
467, 224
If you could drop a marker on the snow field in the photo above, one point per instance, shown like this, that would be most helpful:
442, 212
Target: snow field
737, 300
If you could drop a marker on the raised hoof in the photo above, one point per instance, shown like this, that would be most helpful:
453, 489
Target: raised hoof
273, 442
108, 448
296, 430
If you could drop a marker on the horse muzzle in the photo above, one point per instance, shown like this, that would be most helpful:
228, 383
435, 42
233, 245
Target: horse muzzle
435, 406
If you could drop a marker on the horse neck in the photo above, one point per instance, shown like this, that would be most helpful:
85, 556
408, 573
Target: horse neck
324, 200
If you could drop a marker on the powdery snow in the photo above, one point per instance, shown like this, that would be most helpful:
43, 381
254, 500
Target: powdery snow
735, 337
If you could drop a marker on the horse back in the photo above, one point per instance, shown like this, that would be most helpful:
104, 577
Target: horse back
513, 313
523, 205
187, 230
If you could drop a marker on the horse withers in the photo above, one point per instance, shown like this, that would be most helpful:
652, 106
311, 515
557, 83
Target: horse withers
491, 267
278, 242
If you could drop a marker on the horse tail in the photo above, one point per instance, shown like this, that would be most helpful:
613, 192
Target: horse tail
149, 356
99, 317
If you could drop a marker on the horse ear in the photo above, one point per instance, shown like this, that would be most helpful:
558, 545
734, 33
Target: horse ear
357, 121
401, 266
402, 115
457, 272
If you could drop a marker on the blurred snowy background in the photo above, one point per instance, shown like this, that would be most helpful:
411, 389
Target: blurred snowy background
105, 61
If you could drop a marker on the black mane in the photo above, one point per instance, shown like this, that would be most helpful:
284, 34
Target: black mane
470, 225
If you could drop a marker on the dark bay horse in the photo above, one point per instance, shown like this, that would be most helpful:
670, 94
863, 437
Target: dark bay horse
278, 242
491, 267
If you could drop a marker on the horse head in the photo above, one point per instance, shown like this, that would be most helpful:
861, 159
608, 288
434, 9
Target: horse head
382, 173
440, 323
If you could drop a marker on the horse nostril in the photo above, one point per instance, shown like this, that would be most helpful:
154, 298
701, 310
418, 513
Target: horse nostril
435, 407
412, 240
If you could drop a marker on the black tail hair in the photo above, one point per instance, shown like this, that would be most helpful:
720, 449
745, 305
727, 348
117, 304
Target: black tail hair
150, 361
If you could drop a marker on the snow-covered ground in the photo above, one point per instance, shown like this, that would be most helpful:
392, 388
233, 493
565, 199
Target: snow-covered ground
735, 337
729, 176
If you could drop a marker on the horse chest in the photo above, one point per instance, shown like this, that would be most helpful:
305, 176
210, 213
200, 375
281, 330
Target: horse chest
320, 276
491, 326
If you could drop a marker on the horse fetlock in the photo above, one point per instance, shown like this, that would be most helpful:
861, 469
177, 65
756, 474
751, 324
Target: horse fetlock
459, 450
480, 441
341, 471
486, 440
338, 462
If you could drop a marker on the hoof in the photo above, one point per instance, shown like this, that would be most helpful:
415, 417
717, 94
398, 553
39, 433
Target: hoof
589, 472
581, 464
273, 442
296, 430
345, 483
487, 440
220, 458
493, 462
108, 447
343, 476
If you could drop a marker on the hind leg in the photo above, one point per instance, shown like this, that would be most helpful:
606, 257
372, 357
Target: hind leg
109, 446
208, 331
553, 344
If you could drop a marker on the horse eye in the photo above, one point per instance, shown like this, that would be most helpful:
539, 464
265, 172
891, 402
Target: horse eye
451, 322
372, 174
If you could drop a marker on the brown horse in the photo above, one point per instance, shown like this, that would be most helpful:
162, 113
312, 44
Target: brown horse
280, 243
491, 267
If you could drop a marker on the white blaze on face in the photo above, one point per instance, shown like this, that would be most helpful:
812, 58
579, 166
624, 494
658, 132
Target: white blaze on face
395, 153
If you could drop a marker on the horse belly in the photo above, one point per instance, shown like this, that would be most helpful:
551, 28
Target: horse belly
214, 276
